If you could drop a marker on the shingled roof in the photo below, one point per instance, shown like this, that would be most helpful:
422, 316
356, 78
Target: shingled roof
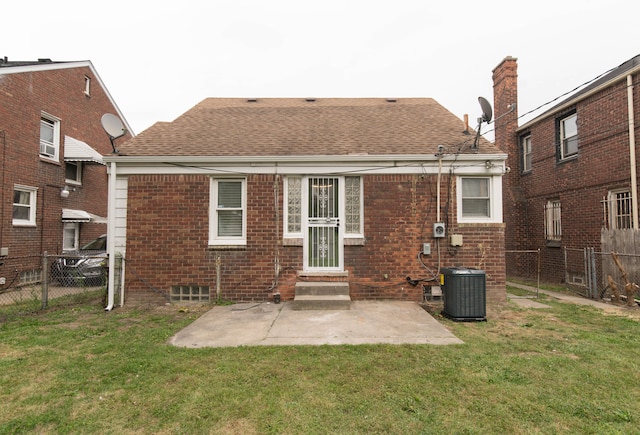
306, 127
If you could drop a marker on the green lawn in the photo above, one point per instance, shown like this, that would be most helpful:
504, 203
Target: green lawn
567, 369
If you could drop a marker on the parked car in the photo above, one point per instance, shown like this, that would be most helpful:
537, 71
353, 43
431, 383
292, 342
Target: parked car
87, 266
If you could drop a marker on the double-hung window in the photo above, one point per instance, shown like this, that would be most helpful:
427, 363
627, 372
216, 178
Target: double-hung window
479, 199
24, 205
228, 223
525, 144
476, 201
552, 221
568, 131
49, 136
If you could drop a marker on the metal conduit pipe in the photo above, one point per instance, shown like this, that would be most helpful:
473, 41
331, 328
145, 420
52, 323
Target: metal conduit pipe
632, 152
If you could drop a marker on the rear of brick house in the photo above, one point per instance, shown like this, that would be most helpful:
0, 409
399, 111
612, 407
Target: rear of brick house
573, 169
243, 198
50, 138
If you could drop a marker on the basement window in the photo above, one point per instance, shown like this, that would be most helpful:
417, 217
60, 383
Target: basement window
189, 293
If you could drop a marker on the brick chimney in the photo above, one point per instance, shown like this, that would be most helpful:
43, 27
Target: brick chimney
505, 108
505, 95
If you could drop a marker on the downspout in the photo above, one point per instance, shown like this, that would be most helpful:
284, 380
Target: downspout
111, 235
632, 152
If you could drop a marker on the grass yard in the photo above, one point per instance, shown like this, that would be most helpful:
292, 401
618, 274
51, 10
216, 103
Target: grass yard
567, 369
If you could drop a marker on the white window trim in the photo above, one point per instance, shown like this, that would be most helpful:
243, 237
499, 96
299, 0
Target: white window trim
495, 201
553, 209
56, 137
78, 180
76, 230
285, 215
360, 233
612, 204
526, 140
304, 191
33, 200
563, 137
87, 86
215, 240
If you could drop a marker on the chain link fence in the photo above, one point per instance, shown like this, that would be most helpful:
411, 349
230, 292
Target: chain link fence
33, 283
604, 275
585, 271
524, 266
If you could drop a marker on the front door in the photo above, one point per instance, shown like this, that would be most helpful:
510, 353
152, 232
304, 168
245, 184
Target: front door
323, 235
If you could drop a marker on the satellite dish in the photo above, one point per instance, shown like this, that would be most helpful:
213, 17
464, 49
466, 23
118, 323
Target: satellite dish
487, 113
113, 126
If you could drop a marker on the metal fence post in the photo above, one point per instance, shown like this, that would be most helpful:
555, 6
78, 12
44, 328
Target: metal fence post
538, 276
45, 279
587, 272
594, 275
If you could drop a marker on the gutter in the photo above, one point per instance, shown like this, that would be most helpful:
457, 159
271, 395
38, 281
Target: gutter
312, 159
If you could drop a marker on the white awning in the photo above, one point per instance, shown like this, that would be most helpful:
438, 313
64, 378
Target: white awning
70, 215
77, 151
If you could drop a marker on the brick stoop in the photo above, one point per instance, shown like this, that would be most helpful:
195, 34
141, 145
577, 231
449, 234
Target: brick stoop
322, 296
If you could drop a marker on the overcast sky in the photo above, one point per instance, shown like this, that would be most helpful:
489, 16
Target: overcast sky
159, 58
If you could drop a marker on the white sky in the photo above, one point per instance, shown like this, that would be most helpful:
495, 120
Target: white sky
160, 58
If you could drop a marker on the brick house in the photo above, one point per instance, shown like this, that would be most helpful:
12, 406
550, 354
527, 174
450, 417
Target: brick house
242, 198
573, 167
54, 182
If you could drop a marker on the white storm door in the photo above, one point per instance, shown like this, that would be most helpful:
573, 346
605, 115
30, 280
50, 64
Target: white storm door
323, 247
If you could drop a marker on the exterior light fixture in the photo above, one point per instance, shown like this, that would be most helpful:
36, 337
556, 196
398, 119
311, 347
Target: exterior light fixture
64, 193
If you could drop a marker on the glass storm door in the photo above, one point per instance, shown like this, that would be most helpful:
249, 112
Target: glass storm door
323, 240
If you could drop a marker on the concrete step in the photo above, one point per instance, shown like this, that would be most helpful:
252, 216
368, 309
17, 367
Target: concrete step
322, 288
319, 302
322, 296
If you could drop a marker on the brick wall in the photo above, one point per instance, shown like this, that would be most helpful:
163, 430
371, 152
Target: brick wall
60, 93
579, 183
167, 241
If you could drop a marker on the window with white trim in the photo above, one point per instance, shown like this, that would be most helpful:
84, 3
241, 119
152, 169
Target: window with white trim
525, 144
552, 220
568, 136
619, 210
293, 208
49, 136
71, 231
73, 172
24, 205
476, 199
479, 199
353, 204
353, 207
228, 217
87, 86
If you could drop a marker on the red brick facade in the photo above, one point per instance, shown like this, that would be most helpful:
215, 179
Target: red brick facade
581, 182
168, 228
58, 90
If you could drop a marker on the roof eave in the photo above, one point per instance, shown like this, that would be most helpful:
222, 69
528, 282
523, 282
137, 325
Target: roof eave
572, 101
259, 160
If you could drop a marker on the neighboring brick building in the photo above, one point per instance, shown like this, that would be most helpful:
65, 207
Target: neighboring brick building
243, 198
571, 167
50, 138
